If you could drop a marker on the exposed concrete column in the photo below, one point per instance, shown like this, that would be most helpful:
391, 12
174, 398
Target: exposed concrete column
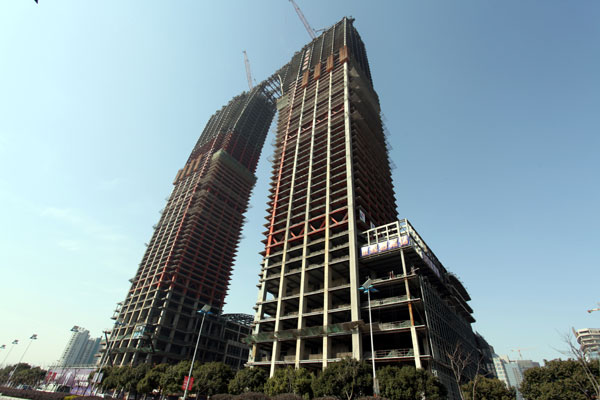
282, 279
352, 246
326, 268
413, 330
303, 278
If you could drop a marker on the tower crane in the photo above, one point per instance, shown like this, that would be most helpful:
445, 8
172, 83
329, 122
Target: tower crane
248, 73
519, 351
309, 29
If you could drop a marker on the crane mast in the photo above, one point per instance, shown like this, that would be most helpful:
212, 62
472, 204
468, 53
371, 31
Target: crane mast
309, 29
248, 73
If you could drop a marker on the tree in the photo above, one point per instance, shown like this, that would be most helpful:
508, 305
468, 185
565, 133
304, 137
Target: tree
151, 381
172, 379
488, 389
9, 372
290, 380
4, 373
460, 360
211, 378
117, 378
576, 351
131, 376
347, 378
408, 383
557, 379
29, 376
248, 380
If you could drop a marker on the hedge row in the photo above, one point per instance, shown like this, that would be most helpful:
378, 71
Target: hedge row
285, 396
39, 395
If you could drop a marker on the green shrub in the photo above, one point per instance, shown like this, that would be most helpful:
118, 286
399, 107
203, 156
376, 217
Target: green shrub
252, 396
287, 396
222, 396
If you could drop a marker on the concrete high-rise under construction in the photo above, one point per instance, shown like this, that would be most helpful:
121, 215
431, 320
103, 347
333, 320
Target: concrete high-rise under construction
332, 225
189, 258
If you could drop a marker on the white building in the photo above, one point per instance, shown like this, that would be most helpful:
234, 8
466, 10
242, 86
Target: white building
80, 350
589, 340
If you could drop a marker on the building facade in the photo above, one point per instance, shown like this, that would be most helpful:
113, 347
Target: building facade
80, 350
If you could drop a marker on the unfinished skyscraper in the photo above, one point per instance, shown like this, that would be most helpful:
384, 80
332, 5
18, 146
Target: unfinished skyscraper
332, 224
189, 258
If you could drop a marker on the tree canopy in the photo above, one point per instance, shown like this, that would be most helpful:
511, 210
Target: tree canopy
248, 380
172, 379
487, 389
348, 378
290, 380
211, 378
151, 381
408, 383
558, 379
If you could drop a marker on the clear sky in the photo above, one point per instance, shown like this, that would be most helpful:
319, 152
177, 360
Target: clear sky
493, 111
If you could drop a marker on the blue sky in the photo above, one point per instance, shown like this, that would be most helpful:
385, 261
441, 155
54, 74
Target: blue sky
492, 111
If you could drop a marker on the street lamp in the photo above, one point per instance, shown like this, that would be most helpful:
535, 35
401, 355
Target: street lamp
368, 287
97, 377
205, 310
32, 338
2, 348
16, 341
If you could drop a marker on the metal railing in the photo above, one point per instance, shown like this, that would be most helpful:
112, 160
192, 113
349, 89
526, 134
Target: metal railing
391, 353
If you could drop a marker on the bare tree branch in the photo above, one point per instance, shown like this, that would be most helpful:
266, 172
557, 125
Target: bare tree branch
575, 351
459, 360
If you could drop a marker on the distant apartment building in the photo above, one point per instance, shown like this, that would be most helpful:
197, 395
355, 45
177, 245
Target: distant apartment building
589, 340
80, 350
511, 372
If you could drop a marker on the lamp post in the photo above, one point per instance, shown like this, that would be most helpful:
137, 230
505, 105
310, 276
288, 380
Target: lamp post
368, 287
16, 341
32, 338
3, 347
205, 310
98, 376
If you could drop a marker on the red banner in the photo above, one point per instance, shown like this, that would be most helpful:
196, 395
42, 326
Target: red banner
188, 382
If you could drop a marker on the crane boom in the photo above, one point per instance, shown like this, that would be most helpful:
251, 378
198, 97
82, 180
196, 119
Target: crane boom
248, 73
309, 29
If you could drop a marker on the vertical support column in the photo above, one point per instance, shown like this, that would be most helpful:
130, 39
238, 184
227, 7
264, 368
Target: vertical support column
413, 330
282, 279
326, 268
352, 246
303, 278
